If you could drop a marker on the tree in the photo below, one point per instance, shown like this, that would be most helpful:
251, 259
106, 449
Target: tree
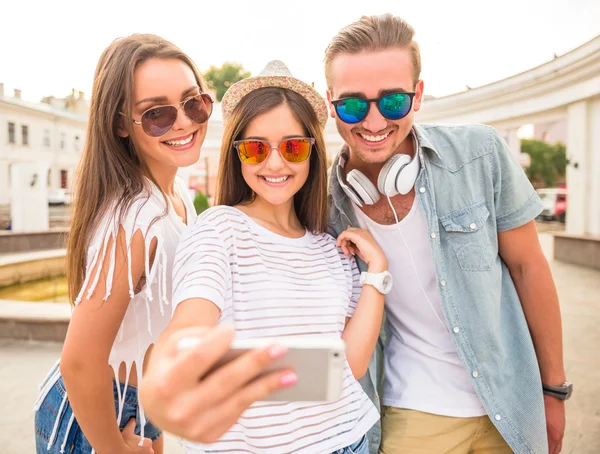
220, 79
201, 202
548, 162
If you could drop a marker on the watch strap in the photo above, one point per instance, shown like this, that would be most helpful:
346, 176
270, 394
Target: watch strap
368, 278
560, 392
560, 396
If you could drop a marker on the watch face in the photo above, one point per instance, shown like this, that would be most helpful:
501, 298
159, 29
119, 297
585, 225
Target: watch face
386, 283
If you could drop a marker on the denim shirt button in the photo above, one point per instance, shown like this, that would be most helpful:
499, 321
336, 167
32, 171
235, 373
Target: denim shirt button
473, 226
433, 235
456, 329
443, 282
497, 417
422, 190
475, 374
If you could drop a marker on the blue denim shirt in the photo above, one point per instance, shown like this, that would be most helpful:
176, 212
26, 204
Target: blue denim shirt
471, 187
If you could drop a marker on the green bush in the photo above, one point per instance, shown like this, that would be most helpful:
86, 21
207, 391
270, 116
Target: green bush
224, 77
548, 162
201, 202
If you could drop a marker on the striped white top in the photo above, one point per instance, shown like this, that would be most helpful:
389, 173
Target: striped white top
268, 285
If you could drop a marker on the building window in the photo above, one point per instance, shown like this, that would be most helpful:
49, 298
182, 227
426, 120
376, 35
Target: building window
11, 133
62, 140
25, 134
64, 179
47, 138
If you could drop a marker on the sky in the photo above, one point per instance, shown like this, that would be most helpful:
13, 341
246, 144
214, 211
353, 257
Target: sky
49, 48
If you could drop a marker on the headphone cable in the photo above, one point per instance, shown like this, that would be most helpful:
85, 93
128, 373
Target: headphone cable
413, 262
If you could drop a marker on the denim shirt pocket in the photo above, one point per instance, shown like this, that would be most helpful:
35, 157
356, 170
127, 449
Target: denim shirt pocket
466, 232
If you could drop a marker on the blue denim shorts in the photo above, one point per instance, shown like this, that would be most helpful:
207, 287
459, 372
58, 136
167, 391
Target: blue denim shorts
68, 437
359, 447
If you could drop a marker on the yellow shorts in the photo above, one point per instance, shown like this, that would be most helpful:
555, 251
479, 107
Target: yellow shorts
411, 431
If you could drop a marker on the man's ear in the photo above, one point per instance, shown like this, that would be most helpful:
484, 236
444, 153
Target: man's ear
420, 87
331, 106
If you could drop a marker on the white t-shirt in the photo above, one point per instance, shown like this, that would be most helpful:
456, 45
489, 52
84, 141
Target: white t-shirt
268, 285
422, 369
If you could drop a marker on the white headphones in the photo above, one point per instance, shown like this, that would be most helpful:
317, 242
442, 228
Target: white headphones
397, 176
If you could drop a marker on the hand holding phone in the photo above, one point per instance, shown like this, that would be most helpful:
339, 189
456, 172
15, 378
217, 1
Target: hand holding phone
181, 397
318, 363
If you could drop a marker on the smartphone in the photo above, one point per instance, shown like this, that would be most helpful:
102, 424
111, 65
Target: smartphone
318, 362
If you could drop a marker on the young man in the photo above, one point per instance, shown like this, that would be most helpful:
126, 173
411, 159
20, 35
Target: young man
473, 341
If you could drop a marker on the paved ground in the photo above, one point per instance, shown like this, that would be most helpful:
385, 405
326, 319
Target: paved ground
23, 365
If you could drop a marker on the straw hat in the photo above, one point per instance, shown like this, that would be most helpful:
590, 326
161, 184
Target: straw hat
275, 74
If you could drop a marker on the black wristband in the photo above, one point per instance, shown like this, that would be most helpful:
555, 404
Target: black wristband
560, 392
560, 396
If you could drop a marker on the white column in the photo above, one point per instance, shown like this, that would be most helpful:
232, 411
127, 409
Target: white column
514, 143
29, 197
4, 183
593, 170
578, 128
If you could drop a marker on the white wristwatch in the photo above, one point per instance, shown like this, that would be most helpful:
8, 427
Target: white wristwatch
381, 281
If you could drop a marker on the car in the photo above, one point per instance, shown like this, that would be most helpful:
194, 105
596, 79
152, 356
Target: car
554, 204
59, 197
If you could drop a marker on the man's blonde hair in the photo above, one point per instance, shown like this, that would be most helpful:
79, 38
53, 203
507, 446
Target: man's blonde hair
374, 33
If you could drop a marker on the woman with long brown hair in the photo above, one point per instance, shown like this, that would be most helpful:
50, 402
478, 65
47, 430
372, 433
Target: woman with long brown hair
148, 117
263, 262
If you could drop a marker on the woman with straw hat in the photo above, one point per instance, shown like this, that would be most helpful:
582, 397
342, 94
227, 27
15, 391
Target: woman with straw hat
263, 262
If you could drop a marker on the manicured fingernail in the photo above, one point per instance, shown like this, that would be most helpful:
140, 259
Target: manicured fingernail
289, 379
187, 343
276, 351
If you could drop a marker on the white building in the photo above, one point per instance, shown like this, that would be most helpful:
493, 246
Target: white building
50, 132
562, 98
